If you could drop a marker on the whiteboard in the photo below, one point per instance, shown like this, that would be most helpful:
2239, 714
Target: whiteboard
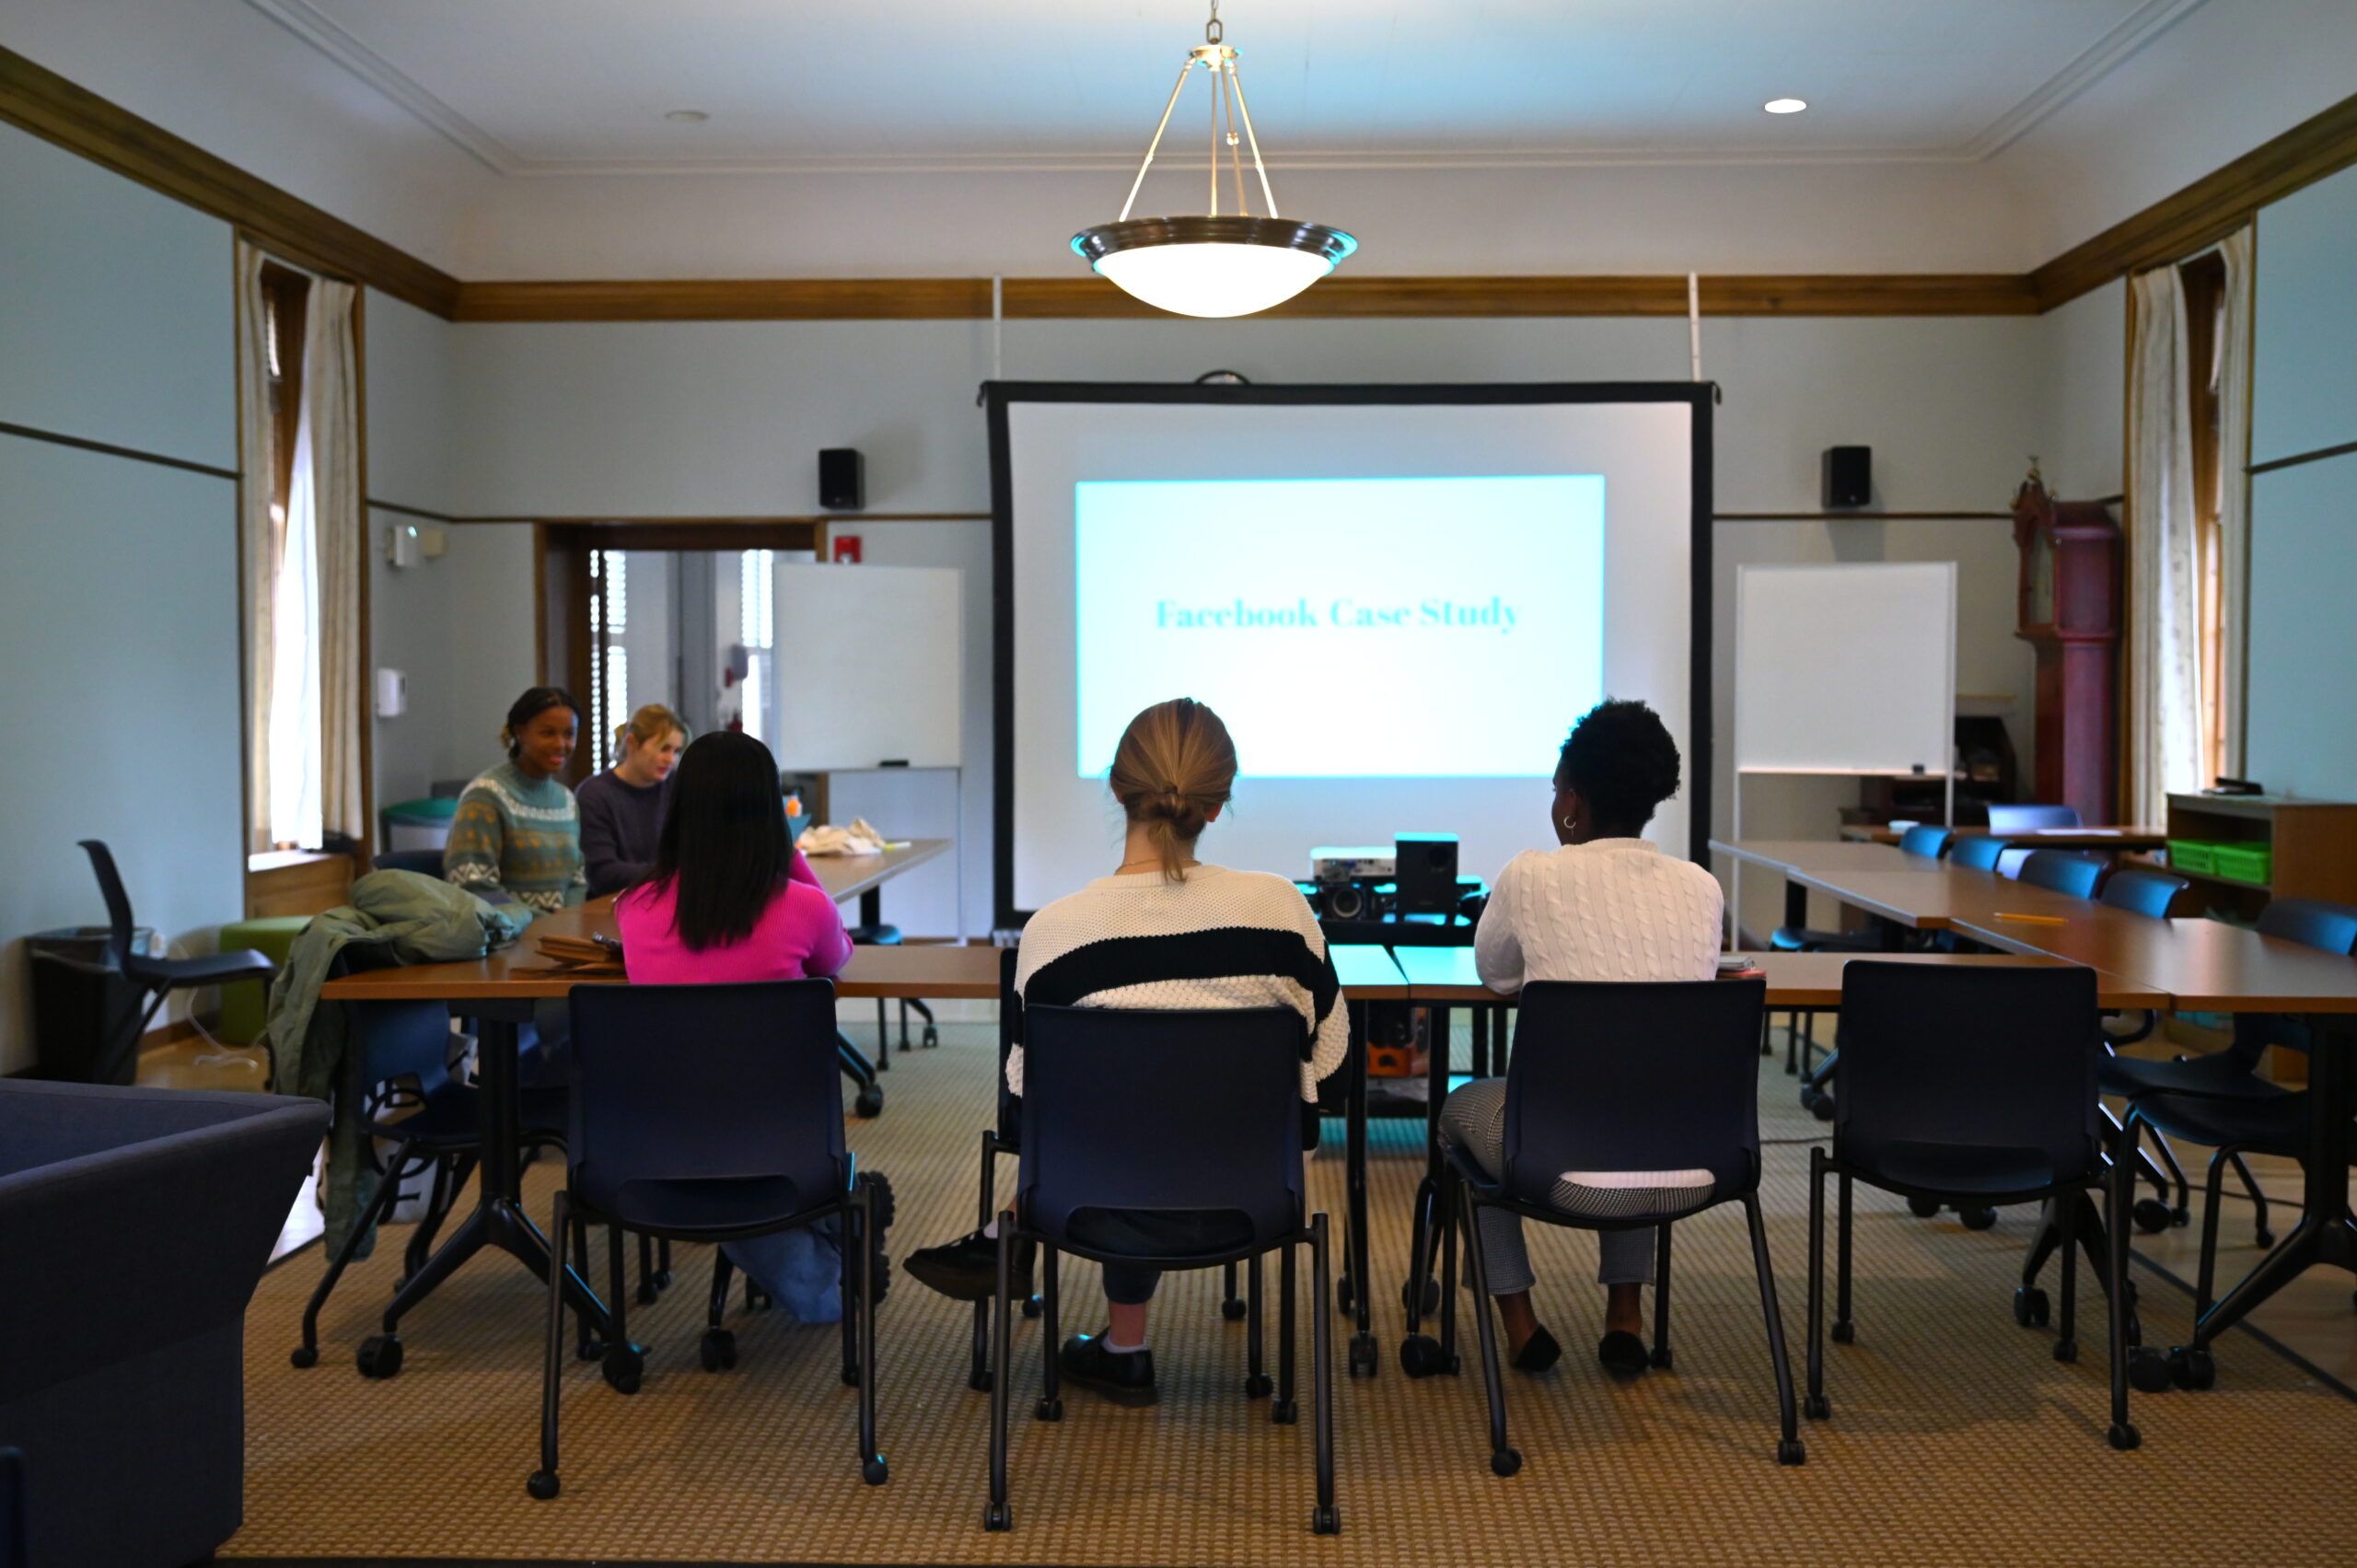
869, 661
1845, 669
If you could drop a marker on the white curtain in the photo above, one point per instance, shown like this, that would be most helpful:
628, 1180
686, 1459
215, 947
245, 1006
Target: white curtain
331, 449
258, 535
2164, 585
2234, 486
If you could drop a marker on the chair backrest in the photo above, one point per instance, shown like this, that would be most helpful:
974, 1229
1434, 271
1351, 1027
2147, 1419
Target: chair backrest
1997, 1058
1010, 1035
424, 861
1127, 1107
2315, 922
1634, 1076
2064, 871
2023, 818
2152, 893
1926, 839
119, 922
680, 1087
2011, 858
1978, 851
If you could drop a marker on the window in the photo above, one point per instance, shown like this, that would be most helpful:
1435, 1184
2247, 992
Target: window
2204, 282
294, 815
754, 598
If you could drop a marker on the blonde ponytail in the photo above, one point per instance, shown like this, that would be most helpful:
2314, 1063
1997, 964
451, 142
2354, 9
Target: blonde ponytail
650, 724
1175, 766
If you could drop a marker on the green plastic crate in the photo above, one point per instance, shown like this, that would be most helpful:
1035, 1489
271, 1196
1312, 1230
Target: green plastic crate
2244, 862
2191, 854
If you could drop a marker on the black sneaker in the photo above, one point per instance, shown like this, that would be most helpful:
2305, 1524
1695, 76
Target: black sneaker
966, 1269
1126, 1378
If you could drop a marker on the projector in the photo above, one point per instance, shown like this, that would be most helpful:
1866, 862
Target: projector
1371, 862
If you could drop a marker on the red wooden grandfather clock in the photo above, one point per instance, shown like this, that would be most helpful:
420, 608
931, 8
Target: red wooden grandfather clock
2070, 611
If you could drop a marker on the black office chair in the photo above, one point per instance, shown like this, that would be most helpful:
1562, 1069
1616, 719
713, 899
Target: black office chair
14, 1531
1629, 1076
424, 861
884, 934
1931, 842
710, 1113
1193, 1110
158, 977
2063, 871
1936, 1106
2028, 819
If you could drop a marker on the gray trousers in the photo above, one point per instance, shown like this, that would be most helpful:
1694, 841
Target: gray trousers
1475, 1117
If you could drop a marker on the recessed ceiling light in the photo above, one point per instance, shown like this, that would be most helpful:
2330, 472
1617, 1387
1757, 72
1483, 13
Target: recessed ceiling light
687, 117
1784, 105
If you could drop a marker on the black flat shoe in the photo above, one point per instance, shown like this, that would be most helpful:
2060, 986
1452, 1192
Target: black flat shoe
1622, 1353
966, 1269
1538, 1354
1126, 1378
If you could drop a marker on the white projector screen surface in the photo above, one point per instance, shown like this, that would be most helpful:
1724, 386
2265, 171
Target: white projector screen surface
1298, 575
1155, 546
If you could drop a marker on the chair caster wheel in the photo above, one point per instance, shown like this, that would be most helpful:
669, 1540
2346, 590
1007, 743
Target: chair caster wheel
2192, 1368
1921, 1208
1047, 1410
380, 1356
1258, 1387
996, 1517
2181, 1217
978, 1381
1419, 1355
1231, 1310
2149, 1371
1810, 1095
2125, 1436
1792, 1451
648, 1292
1844, 1331
1823, 1108
1362, 1355
542, 1484
2031, 1310
1506, 1461
874, 1471
303, 1356
1816, 1407
662, 1279
1284, 1413
850, 1374
869, 1103
2265, 1238
624, 1366
1432, 1297
932, 1038
717, 1350
589, 1350
1977, 1219
1325, 1520
1032, 1307
2066, 1350
1660, 1355
2152, 1215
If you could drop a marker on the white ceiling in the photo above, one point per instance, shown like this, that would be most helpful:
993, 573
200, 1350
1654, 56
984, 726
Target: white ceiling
581, 86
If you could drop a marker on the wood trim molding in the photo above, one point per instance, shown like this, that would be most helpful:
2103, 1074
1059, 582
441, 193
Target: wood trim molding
2206, 211
747, 299
39, 100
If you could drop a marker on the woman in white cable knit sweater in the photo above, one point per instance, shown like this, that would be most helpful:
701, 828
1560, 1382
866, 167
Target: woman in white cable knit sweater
1163, 931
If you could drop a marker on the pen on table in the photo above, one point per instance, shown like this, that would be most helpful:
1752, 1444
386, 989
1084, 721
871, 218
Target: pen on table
2033, 919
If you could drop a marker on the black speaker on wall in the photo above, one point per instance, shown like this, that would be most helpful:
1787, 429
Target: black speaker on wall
842, 478
1849, 477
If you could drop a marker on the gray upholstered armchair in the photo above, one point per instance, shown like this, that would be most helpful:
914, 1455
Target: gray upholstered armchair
133, 1224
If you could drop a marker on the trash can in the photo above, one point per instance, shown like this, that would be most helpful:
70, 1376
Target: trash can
418, 824
83, 1006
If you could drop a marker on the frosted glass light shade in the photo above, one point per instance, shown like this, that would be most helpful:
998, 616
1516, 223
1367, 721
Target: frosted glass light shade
1212, 266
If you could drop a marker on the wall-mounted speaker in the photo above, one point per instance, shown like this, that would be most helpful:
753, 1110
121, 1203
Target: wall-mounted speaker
1849, 477
842, 478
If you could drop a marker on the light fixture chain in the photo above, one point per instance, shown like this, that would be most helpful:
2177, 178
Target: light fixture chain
1212, 31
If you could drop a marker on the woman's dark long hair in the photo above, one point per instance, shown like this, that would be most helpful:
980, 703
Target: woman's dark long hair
723, 852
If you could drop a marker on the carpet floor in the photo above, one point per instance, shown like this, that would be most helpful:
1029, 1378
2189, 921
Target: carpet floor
1954, 1436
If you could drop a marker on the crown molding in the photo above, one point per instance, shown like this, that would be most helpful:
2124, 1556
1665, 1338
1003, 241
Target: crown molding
2135, 30
323, 33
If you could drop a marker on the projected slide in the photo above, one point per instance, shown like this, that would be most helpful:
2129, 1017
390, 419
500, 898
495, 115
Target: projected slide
1344, 628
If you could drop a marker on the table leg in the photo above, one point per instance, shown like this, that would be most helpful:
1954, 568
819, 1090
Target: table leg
1354, 1165
2327, 1231
498, 1219
1435, 1091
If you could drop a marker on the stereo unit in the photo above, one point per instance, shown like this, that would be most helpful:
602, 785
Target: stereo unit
1328, 863
1359, 898
1426, 868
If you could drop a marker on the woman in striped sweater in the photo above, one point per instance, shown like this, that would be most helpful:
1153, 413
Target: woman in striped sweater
1163, 931
517, 834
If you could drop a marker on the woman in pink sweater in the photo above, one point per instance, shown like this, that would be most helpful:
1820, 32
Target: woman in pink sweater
730, 900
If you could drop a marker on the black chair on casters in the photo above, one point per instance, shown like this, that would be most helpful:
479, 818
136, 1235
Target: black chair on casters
876, 934
1923, 838
1938, 1107
1586, 1090
710, 1113
1182, 1111
158, 977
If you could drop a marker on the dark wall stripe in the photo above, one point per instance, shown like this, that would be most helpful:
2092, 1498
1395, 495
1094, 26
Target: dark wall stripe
57, 439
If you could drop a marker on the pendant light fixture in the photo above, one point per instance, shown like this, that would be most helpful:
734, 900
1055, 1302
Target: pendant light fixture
1220, 264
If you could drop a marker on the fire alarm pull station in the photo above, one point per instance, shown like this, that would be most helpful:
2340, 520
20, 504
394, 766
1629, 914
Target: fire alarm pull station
847, 549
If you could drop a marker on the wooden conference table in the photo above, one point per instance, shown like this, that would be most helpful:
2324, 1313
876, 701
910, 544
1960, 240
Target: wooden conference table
2201, 965
499, 990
